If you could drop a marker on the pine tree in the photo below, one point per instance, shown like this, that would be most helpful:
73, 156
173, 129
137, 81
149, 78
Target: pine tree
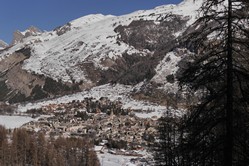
219, 69
3, 144
41, 148
165, 147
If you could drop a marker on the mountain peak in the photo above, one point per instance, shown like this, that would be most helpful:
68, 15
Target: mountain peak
32, 30
18, 36
88, 19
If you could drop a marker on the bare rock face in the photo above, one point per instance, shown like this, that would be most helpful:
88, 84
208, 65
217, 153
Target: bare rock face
32, 31
18, 36
63, 29
3, 45
146, 34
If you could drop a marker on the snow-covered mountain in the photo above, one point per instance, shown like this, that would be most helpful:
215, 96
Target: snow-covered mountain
94, 50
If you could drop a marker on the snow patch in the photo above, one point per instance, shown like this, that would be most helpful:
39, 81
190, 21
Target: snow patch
168, 66
108, 159
11, 122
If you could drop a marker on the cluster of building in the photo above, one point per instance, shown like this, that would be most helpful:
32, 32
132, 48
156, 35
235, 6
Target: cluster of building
103, 120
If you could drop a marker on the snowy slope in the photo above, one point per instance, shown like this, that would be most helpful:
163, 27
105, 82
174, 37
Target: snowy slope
169, 67
59, 57
89, 39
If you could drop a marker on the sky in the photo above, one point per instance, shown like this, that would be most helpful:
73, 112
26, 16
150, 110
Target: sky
49, 14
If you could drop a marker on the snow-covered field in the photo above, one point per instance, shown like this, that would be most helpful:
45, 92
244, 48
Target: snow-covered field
12, 122
108, 159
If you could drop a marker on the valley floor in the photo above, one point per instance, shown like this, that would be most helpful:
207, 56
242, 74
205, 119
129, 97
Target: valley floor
107, 114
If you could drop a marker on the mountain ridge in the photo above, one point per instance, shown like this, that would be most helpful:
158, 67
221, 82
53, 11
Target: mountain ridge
94, 50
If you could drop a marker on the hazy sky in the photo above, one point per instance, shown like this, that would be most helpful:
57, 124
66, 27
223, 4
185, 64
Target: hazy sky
48, 14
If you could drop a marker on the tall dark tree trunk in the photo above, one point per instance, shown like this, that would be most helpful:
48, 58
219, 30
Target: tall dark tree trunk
228, 151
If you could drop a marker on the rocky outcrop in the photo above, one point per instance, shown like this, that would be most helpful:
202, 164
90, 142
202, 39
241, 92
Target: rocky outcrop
3, 45
18, 36
146, 34
63, 29
32, 31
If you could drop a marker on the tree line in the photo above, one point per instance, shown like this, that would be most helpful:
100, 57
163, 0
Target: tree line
23, 148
